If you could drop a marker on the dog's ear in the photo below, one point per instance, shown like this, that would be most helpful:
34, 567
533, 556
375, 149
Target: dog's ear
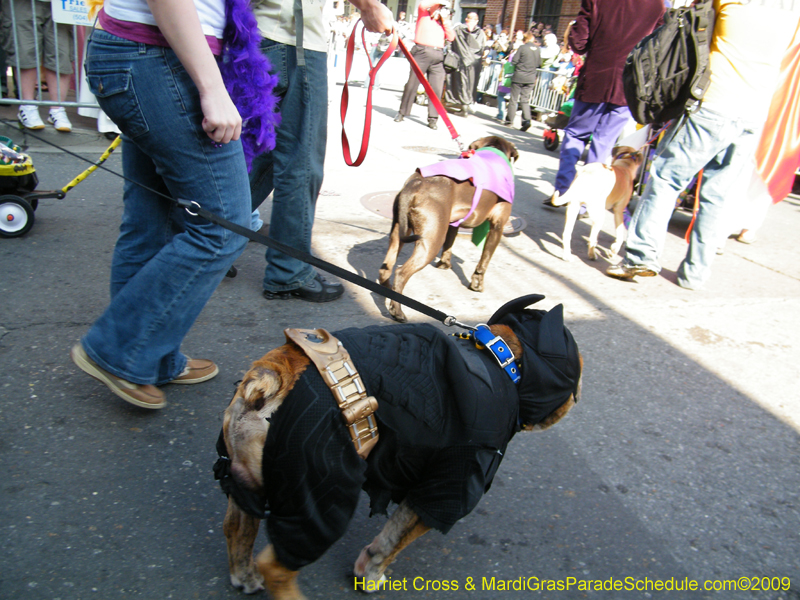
478, 144
616, 151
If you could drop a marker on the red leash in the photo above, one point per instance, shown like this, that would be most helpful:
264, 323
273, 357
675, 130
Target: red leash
373, 72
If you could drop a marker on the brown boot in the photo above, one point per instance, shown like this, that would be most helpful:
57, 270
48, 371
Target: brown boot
281, 583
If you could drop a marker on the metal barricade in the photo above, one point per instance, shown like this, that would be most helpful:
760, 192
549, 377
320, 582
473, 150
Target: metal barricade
546, 97
60, 15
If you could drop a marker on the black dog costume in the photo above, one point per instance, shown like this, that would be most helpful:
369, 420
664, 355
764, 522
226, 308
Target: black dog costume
446, 412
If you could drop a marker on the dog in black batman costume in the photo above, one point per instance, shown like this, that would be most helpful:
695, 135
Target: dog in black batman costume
446, 412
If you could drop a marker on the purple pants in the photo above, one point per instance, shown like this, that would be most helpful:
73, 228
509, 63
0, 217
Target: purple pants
599, 122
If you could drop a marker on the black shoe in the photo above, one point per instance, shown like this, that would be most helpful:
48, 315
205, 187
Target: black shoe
398, 118
433, 125
551, 201
316, 290
525, 126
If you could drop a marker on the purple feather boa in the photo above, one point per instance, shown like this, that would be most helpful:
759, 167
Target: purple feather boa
246, 72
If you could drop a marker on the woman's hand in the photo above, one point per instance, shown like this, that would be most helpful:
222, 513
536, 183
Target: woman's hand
221, 119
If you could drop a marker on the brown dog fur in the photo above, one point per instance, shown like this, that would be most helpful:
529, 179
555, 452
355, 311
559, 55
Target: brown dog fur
600, 187
427, 206
245, 427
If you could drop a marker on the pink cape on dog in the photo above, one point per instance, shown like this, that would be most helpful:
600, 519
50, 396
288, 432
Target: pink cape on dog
487, 169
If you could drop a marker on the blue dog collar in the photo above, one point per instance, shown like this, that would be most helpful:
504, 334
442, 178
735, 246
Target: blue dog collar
499, 349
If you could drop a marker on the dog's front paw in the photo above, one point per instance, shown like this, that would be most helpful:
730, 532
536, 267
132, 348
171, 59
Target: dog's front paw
443, 265
615, 248
249, 583
592, 252
567, 256
476, 284
397, 312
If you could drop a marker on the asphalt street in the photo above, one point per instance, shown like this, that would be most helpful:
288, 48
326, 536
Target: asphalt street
680, 464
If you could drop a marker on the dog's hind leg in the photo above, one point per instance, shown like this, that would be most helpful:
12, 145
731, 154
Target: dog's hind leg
425, 249
240, 533
447, 249
403, 527
497, 217
597, 224
281, 582
621, 231
573, 209
395, 244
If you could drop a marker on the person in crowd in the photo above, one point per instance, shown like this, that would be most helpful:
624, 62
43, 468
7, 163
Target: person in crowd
433, 29
488, 32
468, 46
527, 60
720, 138
610, 29
377, 44
503, 86
293, 171
181, 140
518, 39
550, 50
35, 28
501, 44
405, 32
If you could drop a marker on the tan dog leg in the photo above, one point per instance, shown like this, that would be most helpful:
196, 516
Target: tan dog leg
403, 527
621, 231
573, 208
447, 249
281, 582
425, 249
597, 224
498, 217
240, 533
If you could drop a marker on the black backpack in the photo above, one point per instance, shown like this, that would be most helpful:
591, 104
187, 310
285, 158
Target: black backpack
667, 74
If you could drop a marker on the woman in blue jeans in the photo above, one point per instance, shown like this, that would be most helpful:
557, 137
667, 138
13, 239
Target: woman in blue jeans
156, 74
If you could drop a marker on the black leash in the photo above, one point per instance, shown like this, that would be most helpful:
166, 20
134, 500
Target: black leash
193, 208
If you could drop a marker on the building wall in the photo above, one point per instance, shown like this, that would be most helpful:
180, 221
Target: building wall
494, 8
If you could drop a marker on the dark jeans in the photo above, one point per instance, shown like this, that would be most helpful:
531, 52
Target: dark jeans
431, 63
294, 169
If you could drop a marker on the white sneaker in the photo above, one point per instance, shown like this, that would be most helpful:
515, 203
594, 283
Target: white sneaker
28, 115
58, 117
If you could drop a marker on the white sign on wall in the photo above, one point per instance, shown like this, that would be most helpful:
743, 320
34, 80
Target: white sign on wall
71, 12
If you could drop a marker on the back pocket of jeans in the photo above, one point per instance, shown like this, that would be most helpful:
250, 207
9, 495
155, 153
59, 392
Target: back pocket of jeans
116, 95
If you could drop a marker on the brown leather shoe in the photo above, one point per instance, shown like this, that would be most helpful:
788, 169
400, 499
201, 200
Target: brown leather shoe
197, 370
628, 272
144, 396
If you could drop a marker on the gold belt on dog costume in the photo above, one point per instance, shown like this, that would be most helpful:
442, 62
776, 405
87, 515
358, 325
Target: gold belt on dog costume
340, 375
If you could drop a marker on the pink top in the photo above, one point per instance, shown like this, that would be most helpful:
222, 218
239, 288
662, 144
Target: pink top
487, 169
146, 34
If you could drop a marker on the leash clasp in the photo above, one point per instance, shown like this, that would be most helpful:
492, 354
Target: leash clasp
187, 204
450, 320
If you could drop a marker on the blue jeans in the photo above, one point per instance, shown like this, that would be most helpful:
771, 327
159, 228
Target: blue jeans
723, 147
294, 168
166, 263
501, 104
599, 122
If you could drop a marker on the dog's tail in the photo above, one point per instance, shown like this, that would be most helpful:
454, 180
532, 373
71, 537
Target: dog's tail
402, 205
